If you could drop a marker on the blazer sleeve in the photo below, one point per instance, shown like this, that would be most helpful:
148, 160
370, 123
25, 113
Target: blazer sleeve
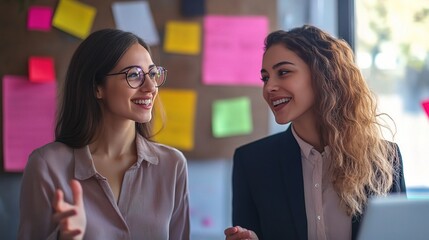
37, 191
244, 211
399, 185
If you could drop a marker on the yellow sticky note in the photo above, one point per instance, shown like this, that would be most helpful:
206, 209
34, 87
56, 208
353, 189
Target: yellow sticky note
179, 107
182, 37
74, 17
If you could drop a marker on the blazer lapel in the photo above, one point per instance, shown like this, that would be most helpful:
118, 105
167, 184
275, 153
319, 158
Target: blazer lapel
290, 157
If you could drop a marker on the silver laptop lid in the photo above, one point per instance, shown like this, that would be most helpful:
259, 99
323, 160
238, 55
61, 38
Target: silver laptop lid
396, 217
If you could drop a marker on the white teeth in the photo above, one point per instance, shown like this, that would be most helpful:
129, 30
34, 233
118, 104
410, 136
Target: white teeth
143, 101
280, 101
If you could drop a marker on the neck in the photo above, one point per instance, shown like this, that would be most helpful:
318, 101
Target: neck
115, 140
310, 133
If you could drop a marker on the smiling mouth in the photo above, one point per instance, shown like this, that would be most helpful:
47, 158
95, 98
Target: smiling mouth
280, 101
146, 102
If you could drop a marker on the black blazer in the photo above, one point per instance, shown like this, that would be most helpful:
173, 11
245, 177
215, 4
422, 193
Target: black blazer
268, 190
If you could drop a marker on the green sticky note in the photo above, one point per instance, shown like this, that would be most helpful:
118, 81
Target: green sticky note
231, 117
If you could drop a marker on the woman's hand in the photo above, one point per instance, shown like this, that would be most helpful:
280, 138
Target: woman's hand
237, 232
71, 217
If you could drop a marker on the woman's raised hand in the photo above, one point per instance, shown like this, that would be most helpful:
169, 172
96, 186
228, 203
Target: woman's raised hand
70, 216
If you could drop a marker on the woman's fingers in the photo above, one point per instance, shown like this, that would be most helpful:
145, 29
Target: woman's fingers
58, 200
77, 192
230, 231
71, 216
239, 233
70, 234
58, 216
60, 205
252, 235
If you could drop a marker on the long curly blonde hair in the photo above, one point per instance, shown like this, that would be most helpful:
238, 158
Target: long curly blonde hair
363, 163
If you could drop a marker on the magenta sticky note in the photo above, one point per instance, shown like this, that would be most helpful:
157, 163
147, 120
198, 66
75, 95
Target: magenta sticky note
207, 222
425, 105
41, 69
28, 119
233, 48
39, 18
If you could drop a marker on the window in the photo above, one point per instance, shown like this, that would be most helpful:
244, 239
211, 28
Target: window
392, 50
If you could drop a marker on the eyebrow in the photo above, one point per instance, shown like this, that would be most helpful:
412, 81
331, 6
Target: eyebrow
278, 65
126, 68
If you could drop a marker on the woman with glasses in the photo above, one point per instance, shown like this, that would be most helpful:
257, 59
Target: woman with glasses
103, 178
313, 180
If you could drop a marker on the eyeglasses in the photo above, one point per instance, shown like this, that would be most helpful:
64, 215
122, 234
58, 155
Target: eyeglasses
135, 76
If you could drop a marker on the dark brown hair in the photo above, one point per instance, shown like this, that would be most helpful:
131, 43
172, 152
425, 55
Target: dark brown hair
79, 115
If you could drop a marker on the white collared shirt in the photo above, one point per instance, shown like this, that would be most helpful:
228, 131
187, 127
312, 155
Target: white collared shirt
326, 220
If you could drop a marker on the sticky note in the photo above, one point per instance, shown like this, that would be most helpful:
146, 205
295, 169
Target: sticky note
232, 49
178, 130
28, 119
136, 17
41, 69
182, 37
425, 105
74, 17
39, 18
231, 117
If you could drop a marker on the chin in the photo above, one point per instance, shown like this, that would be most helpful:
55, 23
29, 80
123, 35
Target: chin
282, 121
145, 119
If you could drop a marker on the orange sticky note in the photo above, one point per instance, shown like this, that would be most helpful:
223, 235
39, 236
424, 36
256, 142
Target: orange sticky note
41, 69
425, 105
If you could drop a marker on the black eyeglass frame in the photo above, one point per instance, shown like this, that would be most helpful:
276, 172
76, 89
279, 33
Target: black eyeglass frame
127, 69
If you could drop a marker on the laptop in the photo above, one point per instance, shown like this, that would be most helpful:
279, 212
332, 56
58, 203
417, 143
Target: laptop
396, 217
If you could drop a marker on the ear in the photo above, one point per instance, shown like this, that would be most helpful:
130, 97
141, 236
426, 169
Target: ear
99, 92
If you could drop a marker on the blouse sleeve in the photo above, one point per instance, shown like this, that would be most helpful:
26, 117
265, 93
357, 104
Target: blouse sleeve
37, 191
179, 225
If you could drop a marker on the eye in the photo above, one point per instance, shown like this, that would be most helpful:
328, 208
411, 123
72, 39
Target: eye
153, 73
134, 74
264, 79
283, 72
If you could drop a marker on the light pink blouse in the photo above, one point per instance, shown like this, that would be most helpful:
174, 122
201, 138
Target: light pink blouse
153, 202
325, 218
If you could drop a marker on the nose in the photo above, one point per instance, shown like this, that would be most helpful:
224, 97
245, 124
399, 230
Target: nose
148, 85
271, 85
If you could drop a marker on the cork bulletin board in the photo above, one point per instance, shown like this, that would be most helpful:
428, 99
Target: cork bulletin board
184, 71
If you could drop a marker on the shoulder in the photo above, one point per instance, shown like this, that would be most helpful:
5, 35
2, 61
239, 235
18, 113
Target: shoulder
167, 149
266, 143
51, 158
49, 154
52, 149
167, 153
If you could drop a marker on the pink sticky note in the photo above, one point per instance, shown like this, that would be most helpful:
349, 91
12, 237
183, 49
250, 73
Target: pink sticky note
28, 119
425, 105
41, 69
207, 222
39, 18
233, 48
